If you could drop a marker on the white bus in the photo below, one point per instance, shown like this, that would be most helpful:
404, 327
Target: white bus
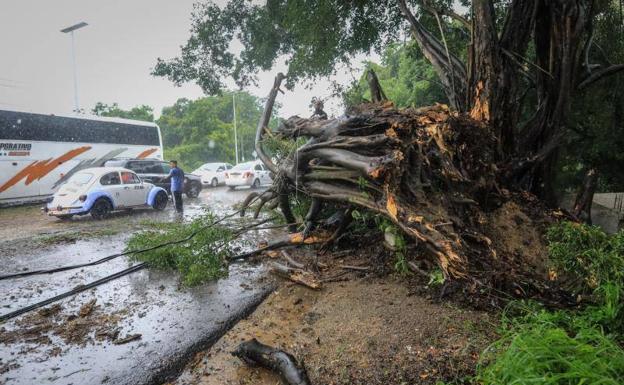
39, 152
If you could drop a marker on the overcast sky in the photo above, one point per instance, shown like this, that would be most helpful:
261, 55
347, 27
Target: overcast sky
115, 54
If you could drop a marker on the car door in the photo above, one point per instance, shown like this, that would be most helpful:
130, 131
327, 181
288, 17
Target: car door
151, 172
258, 173
265, 178
134, 192
220, 173
111, 183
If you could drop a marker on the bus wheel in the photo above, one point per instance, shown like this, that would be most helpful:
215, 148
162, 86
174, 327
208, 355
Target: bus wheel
101, 208
160, 201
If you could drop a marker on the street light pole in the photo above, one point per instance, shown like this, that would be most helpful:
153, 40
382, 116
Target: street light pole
71, 30
235, 135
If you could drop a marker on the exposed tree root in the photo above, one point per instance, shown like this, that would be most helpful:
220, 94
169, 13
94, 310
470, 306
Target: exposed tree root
432, 172
255, 353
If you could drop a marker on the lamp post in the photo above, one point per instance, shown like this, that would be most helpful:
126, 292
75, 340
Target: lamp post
71, 30
235, 134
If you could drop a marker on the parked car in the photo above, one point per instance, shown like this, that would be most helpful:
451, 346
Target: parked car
251, 174
155, 171
212, 174
98, 191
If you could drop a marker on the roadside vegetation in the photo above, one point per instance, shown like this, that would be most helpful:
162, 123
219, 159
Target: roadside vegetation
580, 346
200, 258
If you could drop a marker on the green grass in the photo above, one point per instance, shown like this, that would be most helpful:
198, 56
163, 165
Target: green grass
558, 348
566, 347
202, 258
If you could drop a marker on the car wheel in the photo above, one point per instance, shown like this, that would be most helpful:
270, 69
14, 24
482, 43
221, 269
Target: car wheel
232, 188
160, 202
101, 208
193, 191
256, 183
214, 182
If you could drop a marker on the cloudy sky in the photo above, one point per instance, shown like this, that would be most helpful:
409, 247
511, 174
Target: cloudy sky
115, 54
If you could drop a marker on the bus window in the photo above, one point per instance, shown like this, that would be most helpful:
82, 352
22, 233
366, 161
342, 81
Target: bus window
110, 179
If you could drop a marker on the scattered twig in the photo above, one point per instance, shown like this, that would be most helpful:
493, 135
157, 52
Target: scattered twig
359, 268
291, 261
299, 276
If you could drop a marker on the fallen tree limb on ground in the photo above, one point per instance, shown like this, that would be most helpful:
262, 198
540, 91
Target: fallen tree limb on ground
255, 353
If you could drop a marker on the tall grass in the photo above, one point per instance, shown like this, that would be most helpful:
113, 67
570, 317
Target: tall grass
577, 347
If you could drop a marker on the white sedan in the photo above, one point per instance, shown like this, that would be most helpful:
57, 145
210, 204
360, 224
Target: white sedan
212, 174
98, 191
251, 174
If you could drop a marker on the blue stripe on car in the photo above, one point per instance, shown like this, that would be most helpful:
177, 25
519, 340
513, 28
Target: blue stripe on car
93, 196
151, 196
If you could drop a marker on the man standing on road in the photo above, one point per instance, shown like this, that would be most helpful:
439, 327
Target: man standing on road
177, 184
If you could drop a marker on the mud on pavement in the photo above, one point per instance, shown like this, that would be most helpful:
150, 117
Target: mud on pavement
363, 331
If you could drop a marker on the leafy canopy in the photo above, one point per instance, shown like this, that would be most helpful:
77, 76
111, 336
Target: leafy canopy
202, 130
406, 76
313, 36
142, 112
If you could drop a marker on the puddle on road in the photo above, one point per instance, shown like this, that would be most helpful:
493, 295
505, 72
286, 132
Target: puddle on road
172, 321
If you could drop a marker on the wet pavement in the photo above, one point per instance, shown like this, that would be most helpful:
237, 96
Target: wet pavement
143, 327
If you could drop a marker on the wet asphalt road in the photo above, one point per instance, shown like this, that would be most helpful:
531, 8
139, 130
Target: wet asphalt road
174, 322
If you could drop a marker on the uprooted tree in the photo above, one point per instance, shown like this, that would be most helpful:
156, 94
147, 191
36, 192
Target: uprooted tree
432, 171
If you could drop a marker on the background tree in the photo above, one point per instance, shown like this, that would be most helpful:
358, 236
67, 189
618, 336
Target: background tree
202, 130
406, 77
142, 112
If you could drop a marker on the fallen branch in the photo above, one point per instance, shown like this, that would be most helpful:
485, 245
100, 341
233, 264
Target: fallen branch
298, 276
359, 268
255, 353
291, 261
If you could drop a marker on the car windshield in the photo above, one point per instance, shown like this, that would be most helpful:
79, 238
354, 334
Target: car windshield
209, 167
81, 178
242, 167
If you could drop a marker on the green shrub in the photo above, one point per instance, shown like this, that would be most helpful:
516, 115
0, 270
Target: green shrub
201, 258
588, 254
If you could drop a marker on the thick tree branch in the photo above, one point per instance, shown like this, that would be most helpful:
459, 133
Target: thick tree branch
595, 76
264, 123
446, 67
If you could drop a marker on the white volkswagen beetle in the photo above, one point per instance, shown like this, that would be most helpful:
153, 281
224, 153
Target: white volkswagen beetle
99, 191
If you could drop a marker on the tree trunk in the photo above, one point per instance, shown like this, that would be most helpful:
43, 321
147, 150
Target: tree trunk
585, 196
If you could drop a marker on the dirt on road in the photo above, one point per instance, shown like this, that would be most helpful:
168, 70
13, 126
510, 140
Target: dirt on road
364, 331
